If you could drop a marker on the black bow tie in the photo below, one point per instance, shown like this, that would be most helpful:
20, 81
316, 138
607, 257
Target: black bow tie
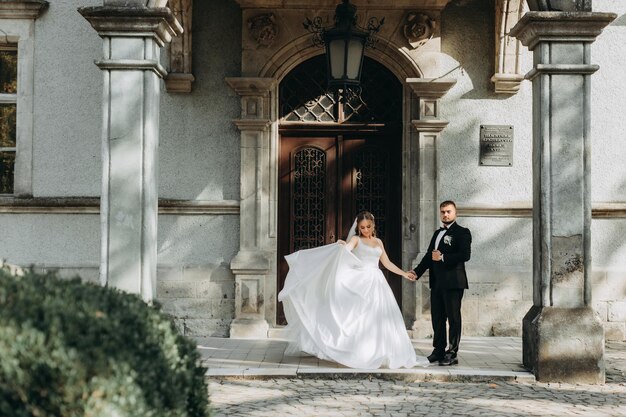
443, 228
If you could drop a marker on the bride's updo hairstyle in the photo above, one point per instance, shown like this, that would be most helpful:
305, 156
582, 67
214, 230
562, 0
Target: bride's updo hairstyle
365, 215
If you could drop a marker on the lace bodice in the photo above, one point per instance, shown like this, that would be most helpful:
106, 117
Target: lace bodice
367, 254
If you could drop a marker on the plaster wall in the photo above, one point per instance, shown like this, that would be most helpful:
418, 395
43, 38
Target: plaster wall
199, 159
199, 144
67, 104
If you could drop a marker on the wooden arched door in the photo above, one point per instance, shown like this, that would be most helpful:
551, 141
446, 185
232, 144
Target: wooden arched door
337, 159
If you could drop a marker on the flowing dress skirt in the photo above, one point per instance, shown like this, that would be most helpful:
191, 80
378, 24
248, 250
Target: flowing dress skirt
341, 309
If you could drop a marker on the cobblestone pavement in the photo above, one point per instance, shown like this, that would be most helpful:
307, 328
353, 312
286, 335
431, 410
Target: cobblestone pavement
377, 397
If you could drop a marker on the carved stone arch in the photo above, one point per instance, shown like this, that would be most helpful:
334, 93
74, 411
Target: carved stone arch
263, 67
291, 55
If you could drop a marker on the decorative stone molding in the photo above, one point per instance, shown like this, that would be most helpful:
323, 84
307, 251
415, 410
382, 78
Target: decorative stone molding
180, 73
508, 76
160, 23
418, 28
254, 93
430, 88
553, 27
429, 91
22, 9
91, 205
263, 29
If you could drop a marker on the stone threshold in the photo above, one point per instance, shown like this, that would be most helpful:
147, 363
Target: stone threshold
430, 374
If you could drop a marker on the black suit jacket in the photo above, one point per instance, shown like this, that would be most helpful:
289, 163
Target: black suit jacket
455, 246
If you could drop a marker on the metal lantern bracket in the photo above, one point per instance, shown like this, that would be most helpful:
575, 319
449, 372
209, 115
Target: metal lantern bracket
345, 43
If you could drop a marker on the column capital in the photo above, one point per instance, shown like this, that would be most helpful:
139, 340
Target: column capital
255, 100
428, 92
252, 124
432, 88
536, 27
158, 23
252, 86
429, 125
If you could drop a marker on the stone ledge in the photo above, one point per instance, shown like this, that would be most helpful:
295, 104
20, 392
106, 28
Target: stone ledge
22, 9
133, 21
91, 205
405, 375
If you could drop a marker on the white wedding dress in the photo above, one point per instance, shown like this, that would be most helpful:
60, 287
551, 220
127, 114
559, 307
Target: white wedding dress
339, 307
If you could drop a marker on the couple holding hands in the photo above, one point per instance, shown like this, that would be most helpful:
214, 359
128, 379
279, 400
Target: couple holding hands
339, 306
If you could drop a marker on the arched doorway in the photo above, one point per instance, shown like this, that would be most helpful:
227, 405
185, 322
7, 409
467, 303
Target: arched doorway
336, 159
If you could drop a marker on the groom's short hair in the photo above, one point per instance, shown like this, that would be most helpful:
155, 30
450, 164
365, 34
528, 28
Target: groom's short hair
447, 203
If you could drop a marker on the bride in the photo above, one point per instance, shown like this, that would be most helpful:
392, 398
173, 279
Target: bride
339, 306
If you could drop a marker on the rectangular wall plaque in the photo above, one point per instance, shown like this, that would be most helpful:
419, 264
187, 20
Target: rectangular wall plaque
496, 145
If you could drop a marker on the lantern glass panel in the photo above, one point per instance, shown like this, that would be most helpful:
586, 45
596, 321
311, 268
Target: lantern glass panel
337, 56
355, 55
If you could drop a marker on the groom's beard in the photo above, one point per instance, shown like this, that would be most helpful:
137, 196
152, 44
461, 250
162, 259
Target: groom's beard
448, 223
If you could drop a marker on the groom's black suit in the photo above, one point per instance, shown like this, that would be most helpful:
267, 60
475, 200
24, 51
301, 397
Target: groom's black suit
448, 280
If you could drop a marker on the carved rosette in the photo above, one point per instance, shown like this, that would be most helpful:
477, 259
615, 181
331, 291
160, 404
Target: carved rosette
263, 29
418, 28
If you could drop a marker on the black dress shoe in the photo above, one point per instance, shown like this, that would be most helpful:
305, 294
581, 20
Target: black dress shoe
435, 357
448, 360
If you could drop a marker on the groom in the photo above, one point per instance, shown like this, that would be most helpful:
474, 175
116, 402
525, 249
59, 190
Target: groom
449, 249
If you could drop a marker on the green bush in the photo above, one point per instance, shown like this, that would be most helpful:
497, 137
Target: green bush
73, 349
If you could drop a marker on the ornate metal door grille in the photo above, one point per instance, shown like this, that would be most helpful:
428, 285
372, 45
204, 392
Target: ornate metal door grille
371, 183
308, 198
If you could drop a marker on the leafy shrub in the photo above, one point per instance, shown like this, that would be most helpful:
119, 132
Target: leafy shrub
73, 349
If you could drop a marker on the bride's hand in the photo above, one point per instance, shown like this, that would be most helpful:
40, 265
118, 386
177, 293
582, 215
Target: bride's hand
409, 276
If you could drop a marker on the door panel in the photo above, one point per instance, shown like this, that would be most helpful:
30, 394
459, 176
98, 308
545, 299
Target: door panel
324, 182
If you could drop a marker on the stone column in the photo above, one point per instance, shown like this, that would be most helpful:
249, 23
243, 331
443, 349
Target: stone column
132, 73
427, 126
563, 339
252, 264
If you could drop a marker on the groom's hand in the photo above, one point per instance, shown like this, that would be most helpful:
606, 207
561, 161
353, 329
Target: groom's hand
412, 275
436, 256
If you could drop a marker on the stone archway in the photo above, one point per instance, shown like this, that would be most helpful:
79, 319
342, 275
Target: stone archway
254, 266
